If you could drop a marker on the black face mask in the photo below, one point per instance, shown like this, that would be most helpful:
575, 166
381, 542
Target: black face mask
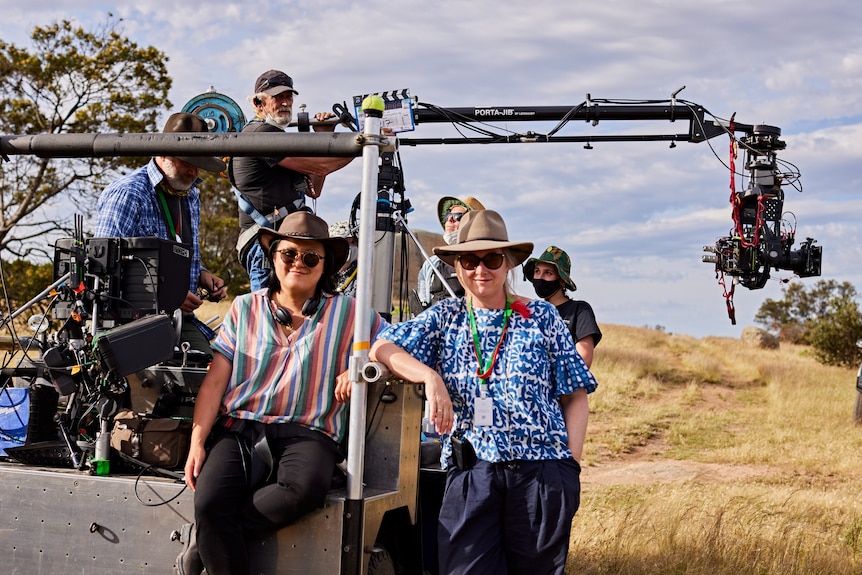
545, 289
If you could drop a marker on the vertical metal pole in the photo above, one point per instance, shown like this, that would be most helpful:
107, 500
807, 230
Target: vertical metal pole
352, 534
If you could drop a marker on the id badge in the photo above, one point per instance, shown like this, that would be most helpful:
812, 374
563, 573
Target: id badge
483, 411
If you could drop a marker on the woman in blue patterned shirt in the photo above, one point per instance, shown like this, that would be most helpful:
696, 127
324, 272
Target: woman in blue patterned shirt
517, 409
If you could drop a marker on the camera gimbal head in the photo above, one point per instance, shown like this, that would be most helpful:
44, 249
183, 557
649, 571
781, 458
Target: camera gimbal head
762, 235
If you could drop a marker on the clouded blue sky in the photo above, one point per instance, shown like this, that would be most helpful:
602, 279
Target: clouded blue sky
633, 216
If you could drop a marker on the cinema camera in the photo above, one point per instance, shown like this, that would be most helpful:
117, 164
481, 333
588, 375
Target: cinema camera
121, 279
115, 299
762, 236
115, 306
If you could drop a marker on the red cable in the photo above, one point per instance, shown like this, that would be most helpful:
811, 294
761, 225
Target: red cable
733, 151
728, 298
734, 199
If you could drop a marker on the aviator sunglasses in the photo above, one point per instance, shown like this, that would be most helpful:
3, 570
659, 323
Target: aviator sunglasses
456, 216
309, 259
491, 261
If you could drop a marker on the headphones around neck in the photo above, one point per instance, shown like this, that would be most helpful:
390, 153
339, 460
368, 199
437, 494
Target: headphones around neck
309, 308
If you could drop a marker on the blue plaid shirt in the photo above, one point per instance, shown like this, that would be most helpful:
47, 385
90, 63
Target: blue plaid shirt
129, 208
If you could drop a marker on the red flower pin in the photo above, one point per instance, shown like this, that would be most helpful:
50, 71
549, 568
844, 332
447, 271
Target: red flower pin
519, 307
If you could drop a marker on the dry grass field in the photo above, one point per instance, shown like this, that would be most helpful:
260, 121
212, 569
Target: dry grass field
210, 310
707, 457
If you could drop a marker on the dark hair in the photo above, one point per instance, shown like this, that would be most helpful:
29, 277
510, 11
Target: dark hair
326, 283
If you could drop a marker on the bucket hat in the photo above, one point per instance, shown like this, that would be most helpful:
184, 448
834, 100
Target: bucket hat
445, 204
557, 258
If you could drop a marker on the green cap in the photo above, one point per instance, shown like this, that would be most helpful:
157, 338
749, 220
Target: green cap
557, 258
445, 204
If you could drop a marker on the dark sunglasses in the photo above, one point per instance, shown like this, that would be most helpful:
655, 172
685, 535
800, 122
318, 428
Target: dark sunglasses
456, 216
491, 261
309, 259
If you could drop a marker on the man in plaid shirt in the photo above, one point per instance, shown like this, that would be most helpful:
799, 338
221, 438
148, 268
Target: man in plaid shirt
161, 200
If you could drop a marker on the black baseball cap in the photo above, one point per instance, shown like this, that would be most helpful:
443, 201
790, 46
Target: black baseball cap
274, 82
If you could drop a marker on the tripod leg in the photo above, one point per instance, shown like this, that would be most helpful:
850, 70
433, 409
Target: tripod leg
63, 424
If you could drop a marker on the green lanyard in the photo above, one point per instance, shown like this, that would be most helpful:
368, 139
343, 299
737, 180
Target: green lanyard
483, 370
171, 227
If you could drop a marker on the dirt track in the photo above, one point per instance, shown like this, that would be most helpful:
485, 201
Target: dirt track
642, 472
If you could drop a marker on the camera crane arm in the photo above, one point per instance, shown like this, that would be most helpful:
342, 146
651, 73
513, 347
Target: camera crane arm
590, 111
761, 236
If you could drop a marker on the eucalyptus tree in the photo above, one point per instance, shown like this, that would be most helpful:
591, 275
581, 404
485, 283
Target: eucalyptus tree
71, 80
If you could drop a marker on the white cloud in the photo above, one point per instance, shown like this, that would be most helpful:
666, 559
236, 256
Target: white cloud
634, 216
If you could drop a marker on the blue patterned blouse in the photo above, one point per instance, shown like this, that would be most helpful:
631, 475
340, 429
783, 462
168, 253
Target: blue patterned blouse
536, 364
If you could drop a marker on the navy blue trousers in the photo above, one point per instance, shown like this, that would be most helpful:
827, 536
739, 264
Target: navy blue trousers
508, 518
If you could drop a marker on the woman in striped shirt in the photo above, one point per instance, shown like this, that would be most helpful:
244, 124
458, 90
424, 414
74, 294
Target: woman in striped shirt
267, 425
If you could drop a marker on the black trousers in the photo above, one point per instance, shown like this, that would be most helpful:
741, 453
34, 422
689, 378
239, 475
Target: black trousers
228, 507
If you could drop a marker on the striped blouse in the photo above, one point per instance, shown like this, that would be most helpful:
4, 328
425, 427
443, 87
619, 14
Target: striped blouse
279, 378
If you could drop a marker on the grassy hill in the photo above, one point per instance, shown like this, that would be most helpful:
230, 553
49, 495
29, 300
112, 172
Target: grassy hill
707, 457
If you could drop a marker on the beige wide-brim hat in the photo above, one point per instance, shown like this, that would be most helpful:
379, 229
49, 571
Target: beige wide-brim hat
483, 230
445, 204
303, 225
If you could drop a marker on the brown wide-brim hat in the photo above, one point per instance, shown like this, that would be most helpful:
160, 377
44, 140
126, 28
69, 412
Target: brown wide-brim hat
445, 204
483, 230
183, 122
303, 225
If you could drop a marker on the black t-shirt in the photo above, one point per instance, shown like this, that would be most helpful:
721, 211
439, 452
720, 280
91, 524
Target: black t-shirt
581, 320
180, 216
264, 183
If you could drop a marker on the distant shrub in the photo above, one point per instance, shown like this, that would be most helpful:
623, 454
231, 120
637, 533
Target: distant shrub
760, 338
825, 316
833, 338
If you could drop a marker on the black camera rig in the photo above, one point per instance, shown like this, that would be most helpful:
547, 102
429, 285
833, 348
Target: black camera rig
120, 279
114, 299
762, 235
